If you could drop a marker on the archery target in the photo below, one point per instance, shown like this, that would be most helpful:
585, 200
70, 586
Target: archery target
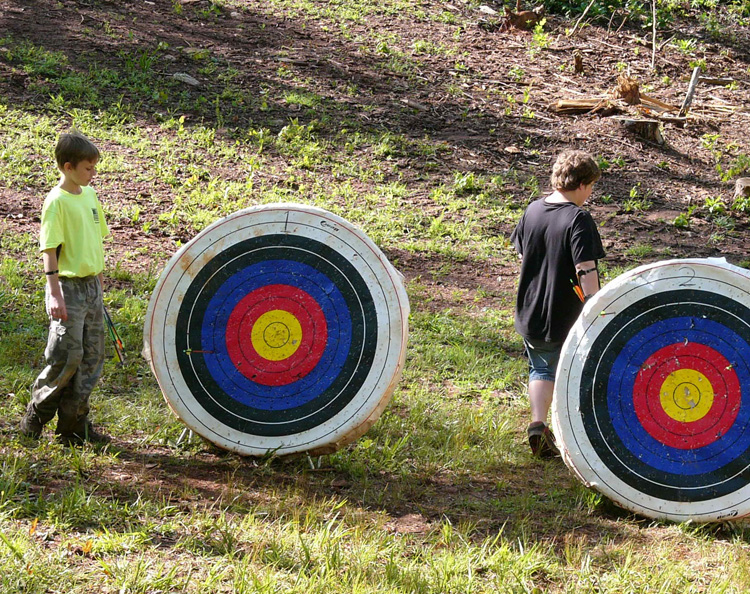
652, 397
279, 328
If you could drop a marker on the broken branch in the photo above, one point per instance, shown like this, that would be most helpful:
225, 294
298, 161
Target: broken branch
690, 92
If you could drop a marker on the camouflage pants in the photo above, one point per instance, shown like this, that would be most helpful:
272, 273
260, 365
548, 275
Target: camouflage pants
74, 358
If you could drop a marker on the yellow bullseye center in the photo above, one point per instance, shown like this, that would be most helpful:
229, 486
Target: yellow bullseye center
686, 395
276, 335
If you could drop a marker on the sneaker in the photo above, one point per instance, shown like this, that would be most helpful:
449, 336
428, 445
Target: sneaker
542, 441
30, 426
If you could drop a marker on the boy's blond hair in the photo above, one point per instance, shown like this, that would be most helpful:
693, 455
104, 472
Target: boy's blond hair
73, 147
573, 168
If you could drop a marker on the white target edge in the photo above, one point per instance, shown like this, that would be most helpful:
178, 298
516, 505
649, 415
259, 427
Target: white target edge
392, 306
577, 451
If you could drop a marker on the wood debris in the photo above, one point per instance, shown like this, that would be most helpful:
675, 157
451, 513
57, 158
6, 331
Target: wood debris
628, 90
578, 62
626, 99
592, 105
691, 91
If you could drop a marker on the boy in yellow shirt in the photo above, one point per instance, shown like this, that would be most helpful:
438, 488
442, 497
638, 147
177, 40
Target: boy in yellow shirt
72, 230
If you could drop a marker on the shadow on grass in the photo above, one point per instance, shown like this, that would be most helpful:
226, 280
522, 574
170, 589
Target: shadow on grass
213, 481
248, 64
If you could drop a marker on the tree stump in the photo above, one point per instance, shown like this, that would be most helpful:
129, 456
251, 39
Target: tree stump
742, 188
646, 129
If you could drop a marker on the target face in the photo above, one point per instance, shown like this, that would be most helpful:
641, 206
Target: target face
652, 397
279, 328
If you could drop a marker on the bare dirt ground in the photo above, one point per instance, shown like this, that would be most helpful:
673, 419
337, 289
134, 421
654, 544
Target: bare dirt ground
471, 120
473, 123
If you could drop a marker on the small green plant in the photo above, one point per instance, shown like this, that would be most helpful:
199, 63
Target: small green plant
516, 73
539, 39
467, 183
725, 222
741, 204
738, 167
532, 186
638, 201
639, 250
709, 141
636, 205
682, 220
715, 205
686, 46
142, 62
447, 17
422, 46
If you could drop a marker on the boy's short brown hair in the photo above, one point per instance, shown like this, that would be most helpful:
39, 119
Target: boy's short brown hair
74, 147
573, 168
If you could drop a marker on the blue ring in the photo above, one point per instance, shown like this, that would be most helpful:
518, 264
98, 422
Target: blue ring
622, 412
237, 287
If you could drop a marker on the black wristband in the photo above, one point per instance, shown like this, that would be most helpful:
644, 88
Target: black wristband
51, 272
581, 273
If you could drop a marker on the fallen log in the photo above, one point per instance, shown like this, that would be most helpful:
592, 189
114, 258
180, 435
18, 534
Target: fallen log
593, 105
708, 80
654, 103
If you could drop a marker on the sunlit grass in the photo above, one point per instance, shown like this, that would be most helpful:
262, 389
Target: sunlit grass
441, 495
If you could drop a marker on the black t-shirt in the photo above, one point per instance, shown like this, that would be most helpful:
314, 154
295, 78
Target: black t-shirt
552, 238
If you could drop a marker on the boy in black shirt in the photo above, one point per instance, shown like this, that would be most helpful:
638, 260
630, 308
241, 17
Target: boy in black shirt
559, 244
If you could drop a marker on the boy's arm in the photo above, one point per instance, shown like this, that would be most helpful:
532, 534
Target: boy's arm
57, 307
588, 276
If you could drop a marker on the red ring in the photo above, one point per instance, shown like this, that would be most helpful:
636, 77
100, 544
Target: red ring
694, 434
257, 368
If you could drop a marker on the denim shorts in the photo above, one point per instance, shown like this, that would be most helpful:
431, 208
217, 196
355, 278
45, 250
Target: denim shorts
543, 358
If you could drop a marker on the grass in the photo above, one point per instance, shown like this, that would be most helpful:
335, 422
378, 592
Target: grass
441, 494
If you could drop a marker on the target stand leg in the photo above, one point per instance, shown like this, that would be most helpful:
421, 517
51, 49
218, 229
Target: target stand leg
185, 432
312, 464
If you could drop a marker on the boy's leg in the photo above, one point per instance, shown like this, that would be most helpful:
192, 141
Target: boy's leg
543, 358
73, 409
62, 356
540, 398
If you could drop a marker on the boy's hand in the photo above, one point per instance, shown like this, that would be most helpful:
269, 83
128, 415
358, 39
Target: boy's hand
57, 309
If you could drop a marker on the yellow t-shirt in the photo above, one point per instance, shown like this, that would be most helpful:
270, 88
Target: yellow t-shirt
76, 223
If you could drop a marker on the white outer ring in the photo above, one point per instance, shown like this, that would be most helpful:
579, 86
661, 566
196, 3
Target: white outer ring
384, 282
714, 275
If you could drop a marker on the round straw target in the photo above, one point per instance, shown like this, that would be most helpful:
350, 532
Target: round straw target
652, 399
280, 328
